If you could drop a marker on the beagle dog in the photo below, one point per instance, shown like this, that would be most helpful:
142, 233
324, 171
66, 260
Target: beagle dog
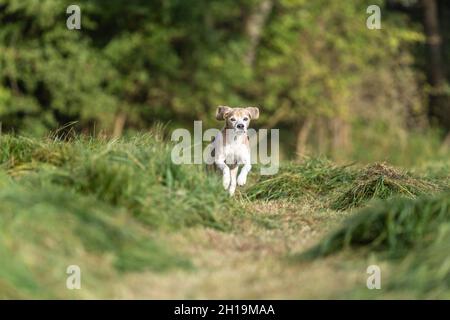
231, 146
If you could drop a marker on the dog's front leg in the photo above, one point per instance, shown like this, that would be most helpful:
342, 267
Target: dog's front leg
242, 178
233, 174
220, 163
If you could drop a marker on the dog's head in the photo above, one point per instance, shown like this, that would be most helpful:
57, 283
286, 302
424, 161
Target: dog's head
237, 119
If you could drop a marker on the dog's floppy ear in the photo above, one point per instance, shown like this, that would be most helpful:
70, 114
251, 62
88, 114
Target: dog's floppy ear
254, 112
222, 112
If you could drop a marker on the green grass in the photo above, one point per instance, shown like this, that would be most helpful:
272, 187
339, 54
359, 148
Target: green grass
414, 233
136, 174
395, 225
427, 272
43, 232
113, 207
77, 201
399, 221
342, 187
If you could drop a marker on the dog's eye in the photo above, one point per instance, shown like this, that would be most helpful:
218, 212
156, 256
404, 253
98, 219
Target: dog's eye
245, 119
233, 119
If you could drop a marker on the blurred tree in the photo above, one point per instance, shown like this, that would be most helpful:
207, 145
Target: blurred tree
48, 74
439, 97
312, 58
312, 66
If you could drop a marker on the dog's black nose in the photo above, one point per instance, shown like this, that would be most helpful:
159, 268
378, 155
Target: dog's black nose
240, 126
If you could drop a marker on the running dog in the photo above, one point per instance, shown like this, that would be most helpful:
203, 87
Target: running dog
231, 148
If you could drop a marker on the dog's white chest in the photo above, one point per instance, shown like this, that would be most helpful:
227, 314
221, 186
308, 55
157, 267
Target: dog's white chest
236, 153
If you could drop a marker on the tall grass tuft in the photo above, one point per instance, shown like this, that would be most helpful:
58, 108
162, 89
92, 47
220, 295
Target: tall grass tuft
427, 272
394, 226
380, 181
315, 176
135, 173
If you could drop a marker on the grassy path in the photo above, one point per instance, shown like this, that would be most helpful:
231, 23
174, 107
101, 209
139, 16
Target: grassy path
251, 263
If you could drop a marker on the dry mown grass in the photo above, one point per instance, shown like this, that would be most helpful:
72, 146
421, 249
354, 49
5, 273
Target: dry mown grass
251, 262
381, 181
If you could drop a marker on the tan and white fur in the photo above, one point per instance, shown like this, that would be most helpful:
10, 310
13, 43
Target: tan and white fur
231, 146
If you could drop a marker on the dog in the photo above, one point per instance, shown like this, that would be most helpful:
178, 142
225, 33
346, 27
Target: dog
231, 147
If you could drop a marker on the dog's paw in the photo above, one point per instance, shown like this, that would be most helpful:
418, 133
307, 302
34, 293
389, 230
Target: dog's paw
226, 180
241, 180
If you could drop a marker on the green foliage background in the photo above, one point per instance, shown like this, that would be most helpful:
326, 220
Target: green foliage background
316, 64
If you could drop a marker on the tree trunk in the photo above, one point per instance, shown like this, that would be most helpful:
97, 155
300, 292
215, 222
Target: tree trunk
302, 137
340, 136
119, 124
322, 135
254, 27
439, 102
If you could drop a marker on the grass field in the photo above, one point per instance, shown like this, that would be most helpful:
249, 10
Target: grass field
139, 226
